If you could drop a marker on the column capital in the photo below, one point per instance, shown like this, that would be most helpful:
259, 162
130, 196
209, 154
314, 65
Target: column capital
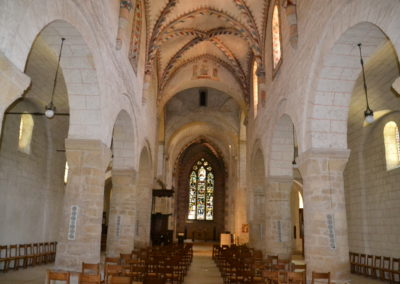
129, 174
318, 160
98, 150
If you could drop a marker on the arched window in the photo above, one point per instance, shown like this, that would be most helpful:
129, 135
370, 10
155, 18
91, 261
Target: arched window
255, 88
134, 46
66, 172
392, 145
201, 191
276, 38
25, 133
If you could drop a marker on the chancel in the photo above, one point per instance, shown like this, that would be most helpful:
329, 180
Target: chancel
178, 141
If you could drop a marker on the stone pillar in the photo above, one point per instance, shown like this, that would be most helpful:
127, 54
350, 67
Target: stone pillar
121, 222
257, 222
144, 206
278, 217
325, 224
80, 226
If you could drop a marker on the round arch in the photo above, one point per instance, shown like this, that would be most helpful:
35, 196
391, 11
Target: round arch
144, 198
338, 66
123, 142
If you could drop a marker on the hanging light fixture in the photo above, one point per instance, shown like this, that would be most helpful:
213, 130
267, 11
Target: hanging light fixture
368, 113
295, 150
50, 109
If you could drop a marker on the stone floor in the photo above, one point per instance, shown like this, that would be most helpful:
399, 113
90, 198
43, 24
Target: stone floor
202, 271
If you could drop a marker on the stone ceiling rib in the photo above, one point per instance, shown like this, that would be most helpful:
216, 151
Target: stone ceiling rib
178, 27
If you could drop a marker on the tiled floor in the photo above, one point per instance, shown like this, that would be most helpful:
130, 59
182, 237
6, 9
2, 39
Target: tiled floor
202, 271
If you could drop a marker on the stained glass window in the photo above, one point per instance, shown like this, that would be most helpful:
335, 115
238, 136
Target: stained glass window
25, 133
255, 88
201, 191
276, 37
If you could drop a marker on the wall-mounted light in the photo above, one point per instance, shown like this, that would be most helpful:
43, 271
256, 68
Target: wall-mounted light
368, 113
50, 109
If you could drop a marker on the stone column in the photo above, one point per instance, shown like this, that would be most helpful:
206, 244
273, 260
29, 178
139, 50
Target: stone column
278, 217
325, 223
144, 206
257, 222
121, 222
80, 226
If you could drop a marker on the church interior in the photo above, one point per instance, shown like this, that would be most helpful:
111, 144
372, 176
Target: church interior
233, 128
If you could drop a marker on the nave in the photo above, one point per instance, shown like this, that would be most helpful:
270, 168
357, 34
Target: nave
203, 270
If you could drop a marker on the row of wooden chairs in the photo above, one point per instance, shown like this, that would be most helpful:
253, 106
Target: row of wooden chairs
378, 267
168, 264
25, 255
65, 277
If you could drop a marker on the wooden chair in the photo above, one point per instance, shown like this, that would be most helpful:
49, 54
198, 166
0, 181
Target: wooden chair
89, 279
57, 276
385, 269
271, 277
377, 267
369, 266
320, 276
36, 254
47, 252
120, 280
112, 270
299, 267
53, 251
22, 261
362, 264
296, 278
42, 253
354, 263
13, 257
111, 260
274, 259
29, 258
4, 258
285, 263
395, 270
125, 257
90, 268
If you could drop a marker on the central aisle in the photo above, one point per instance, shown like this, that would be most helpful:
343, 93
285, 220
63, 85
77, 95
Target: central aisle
203, 269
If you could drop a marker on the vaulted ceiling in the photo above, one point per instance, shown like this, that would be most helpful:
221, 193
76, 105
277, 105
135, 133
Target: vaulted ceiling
227, 33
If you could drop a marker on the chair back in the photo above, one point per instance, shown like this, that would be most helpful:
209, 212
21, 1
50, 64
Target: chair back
58, 276
119, 280
90, 268
112, 270
114, 260
125, 257
89, 279
321, 276
296, 278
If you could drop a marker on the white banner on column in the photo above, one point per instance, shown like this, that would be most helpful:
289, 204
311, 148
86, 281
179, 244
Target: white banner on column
72, 222
330, 221
118, 226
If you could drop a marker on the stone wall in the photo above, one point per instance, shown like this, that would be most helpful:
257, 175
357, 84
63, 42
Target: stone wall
372, 192
32, 185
